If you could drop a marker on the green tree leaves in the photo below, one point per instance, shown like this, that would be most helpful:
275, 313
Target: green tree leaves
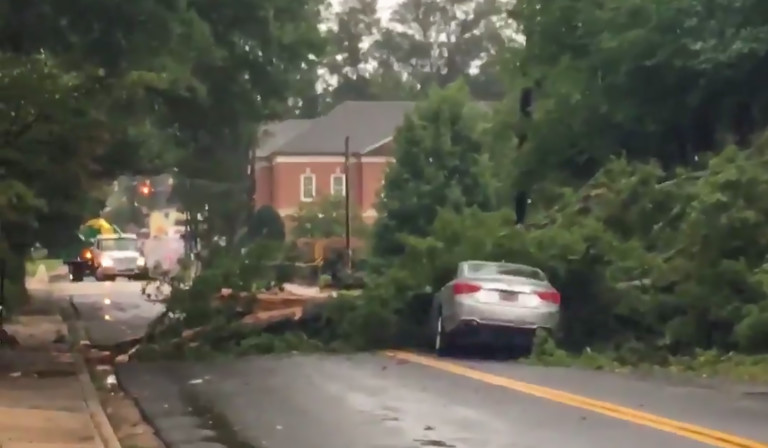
441, 163
260, 47
326, 218
647, 79
265, 224
93, 89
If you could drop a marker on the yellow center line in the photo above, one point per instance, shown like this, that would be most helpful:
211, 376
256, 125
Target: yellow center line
699, 433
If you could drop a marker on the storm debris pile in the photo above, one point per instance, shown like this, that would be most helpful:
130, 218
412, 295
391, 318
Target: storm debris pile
238, 321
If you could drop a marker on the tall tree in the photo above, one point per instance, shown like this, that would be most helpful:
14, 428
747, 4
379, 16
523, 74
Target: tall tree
441, 162
74, 81
435, 43
649, 79
261, 45
95, 88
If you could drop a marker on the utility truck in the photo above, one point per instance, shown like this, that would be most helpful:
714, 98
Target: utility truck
108, 253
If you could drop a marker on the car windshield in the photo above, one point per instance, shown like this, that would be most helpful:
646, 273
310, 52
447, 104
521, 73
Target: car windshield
488, 268
119, 244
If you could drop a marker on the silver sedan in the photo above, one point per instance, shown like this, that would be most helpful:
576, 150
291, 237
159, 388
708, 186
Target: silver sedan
496, 303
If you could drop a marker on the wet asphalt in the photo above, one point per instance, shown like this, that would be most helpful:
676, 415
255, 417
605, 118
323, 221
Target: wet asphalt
372, 401
376, 401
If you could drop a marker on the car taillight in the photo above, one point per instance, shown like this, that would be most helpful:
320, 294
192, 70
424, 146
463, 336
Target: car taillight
549, 296
460, 288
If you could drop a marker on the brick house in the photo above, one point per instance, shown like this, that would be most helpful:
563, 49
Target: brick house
300, 160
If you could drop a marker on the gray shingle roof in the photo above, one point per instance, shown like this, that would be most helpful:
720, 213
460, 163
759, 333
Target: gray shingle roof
367, 123
273, 135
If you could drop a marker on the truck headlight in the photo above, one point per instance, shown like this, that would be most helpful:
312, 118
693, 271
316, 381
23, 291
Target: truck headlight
107, 262
141, 261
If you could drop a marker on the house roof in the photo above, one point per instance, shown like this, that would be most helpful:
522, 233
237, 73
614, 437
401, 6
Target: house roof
275, 134
367, 123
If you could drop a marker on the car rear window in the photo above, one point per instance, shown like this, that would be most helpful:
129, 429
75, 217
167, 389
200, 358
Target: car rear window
514, 270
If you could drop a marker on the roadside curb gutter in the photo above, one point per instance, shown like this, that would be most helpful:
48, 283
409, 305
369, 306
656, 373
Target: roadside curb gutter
101, 422
40, 286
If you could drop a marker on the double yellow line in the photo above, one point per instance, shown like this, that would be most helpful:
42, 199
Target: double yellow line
701, 434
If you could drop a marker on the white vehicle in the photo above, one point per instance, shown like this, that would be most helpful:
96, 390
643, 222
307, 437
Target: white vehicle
111, 256
494, 303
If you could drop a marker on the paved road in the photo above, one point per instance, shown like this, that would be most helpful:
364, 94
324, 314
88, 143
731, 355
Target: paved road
375, 401
401, 400
112, 311
120, 310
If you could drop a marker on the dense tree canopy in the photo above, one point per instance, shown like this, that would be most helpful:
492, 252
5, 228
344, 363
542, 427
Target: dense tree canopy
441, 163
634, 127
91, 89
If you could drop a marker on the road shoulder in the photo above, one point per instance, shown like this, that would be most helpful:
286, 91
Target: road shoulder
115, 414
42, 400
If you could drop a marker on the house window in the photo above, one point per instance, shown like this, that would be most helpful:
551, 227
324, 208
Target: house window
338, 184
307, 186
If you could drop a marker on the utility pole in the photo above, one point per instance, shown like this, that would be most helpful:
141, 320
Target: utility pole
2, 284
2, 292
348, 226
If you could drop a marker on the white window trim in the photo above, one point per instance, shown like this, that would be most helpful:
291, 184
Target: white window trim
310, 175
343, 178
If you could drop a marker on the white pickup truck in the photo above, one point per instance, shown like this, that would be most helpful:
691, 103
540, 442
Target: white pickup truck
109, 257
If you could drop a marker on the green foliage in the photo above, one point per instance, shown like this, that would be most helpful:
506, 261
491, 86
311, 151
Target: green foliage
642, 262
260, 46
324, 281
266, 224
95, 89
326, 218
399, 59
649, 79
633, 125
441, 163
651, 271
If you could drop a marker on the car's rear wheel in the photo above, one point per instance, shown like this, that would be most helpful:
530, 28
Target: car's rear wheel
443, 342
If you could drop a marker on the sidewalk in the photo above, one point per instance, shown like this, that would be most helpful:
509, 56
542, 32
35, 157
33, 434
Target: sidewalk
42, 401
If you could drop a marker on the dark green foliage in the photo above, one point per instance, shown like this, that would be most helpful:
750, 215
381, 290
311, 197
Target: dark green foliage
95, 89
633, 271
266, 224
326, 218
441, 163
633, 126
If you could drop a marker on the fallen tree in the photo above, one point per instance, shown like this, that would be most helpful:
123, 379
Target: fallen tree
650, 268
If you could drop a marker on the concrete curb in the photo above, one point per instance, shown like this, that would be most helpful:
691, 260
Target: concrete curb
101, 424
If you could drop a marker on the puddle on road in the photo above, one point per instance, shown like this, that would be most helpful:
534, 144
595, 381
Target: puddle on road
213, 421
